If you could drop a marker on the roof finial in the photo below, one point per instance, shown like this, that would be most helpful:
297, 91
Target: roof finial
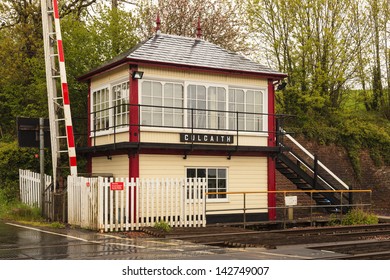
199, 29
158, 23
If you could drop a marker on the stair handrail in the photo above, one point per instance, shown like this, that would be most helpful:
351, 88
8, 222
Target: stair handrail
311, 169
312, 157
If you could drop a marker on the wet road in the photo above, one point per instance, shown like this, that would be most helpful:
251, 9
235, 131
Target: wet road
22, 242
25, 242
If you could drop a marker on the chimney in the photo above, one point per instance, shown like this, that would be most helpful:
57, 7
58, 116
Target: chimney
199, 30
158, 23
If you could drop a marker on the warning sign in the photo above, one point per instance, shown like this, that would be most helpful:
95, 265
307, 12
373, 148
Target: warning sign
117, 186
291, 200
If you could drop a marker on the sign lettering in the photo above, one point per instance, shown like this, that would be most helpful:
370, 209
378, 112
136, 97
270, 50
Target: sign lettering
206, 138
117, 186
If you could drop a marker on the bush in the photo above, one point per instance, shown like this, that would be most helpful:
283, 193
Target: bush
15, 210
163, 226
13, 158
359, 217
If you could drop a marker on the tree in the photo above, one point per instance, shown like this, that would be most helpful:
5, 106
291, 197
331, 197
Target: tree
87, 44
375, 13
222, 22
22, 75
311, 41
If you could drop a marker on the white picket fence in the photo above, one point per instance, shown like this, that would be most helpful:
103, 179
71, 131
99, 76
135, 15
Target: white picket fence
122, 204
30, 187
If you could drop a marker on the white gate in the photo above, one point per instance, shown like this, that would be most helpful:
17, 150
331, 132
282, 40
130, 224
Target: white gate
30, 188
83, 202
109, 204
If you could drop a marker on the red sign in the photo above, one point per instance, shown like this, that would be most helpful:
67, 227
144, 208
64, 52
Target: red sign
117, 186
88, 184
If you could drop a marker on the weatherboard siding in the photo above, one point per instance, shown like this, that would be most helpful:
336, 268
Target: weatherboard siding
118, 165
244, 174
112, 76
186, 75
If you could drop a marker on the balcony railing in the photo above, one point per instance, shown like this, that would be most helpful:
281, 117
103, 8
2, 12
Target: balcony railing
177, 117
117, 119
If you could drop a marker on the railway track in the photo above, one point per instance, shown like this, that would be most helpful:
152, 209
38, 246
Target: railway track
237, 237
366, 250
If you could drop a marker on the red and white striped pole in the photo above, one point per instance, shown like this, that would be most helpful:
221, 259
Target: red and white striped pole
65, 93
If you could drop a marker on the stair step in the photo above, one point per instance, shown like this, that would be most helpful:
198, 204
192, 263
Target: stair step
324, 202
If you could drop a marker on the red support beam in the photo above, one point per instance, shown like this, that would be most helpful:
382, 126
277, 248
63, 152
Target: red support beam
271, 143
134, 122
89, 139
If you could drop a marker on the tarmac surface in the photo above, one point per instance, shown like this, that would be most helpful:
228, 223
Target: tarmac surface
24, 242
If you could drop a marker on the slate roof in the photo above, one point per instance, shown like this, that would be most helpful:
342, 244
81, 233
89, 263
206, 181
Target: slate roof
186, 51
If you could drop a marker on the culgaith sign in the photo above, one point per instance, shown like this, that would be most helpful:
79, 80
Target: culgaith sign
206, 138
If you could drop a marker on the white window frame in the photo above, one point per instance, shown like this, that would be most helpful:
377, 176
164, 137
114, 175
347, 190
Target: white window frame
100, 130
111, 116
164, 124
207, 168
207, 113
264, 108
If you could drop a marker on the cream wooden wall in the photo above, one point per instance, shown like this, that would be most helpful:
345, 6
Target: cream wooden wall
244, 174
118, 165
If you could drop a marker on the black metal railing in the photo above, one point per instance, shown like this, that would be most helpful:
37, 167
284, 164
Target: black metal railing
113, 119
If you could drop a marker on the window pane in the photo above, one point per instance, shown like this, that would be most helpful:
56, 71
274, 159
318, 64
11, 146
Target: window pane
191, 90
201, 173
147, 101
222, 188
191, 172
146, 88
240, 96
168, 119
212, 173
168, 90
221, 173
146, 117
168, 102
157, 89
157, 101
201, 92
178, 91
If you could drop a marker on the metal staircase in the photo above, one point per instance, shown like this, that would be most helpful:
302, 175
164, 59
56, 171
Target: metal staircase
61, 128
306, 172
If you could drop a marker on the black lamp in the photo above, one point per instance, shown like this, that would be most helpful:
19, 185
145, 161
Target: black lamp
137, 75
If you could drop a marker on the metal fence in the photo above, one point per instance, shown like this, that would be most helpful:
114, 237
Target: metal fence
289, 203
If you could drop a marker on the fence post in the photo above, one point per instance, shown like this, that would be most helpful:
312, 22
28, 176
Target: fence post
315, 172
204, 191
42, 164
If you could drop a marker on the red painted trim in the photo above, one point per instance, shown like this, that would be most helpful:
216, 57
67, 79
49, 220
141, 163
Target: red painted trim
65, 92
134, 166
271, 143
134, 122
72, 161
60, 51
180, 67
89, 114
89, 139
69, 132
134, 109
55, 8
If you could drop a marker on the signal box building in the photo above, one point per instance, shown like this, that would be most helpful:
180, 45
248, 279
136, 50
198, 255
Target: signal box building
175, 107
